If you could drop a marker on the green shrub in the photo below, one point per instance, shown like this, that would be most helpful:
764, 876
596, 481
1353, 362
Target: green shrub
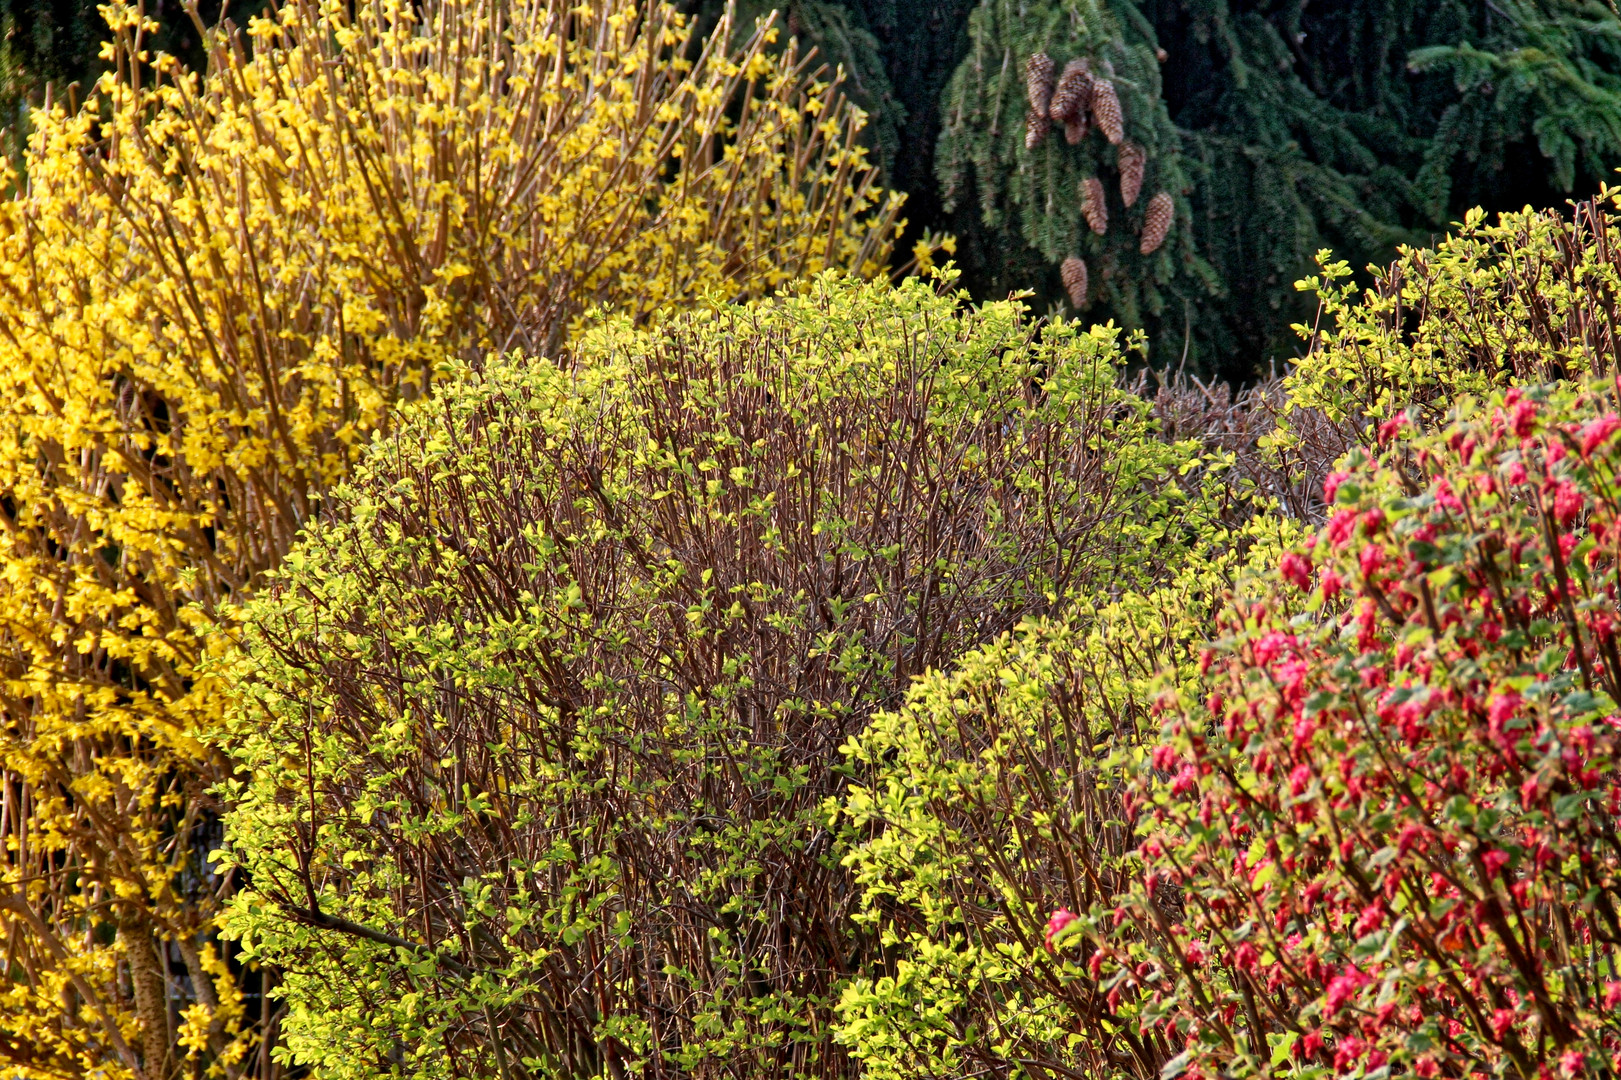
537, 724
1528, 298
994, 795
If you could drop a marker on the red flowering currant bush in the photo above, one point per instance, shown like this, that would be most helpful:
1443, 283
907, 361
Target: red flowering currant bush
1385, 843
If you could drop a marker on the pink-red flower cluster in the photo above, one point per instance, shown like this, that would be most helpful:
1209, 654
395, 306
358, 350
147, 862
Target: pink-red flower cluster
1385, 837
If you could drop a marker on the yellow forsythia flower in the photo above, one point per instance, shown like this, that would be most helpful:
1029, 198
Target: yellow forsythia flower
213, 289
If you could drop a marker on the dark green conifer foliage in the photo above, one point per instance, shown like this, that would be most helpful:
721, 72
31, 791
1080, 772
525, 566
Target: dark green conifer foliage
1036, 196
1282, 127
894, 56
41, 42
843, 36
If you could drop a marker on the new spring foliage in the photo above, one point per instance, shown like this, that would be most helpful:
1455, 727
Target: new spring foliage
540, 722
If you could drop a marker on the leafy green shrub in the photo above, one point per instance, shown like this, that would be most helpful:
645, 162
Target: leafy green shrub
1379, 836
1528, 298
994, 794
537, 723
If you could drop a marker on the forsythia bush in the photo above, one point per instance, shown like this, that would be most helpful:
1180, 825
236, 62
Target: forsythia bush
537, 723
1379, 835
213, 288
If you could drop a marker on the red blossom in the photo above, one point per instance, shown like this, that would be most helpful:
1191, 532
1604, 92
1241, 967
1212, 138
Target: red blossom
1270, 647
1445, 498
1341, 526
1598, 431
1371, 559
1567, 503
1412, 838
1342, 988
1056, 924
1296, 568
1525, 416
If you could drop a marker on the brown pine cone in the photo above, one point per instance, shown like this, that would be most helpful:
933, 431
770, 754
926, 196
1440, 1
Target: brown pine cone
1106, 111
1038, 81
1156, 223
1094, 206
1036, 126
1132, 159
1075, 129
1073, 95
1073, 271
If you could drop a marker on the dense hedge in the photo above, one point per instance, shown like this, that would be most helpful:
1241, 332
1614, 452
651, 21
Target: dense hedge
850, 682
537, 723
992, 796
1372, 825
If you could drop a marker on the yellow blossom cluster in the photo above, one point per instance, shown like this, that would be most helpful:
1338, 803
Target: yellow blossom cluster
214, 287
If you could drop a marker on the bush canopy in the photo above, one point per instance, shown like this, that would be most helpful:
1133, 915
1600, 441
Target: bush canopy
537, 723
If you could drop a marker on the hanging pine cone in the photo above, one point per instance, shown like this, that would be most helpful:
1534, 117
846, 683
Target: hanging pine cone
1093, 205
1074, 92
1106, 111
1038, 81
1036, 126
1156, 223
1132, 158
1075, 129
1073, 271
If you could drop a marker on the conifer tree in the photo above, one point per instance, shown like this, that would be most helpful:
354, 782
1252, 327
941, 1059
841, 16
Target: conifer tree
1277, 128
1065, 200
50, 50
1357, 125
